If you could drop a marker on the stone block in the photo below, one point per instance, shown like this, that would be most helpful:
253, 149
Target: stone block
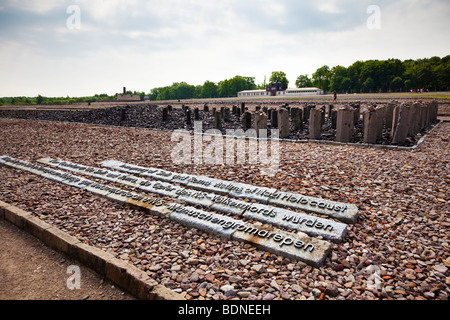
260, 123
209, 222
371, 125
92, 257
35, 227
16, 216
344, 124
283, 123
403, 123
347, 213
315, 124
311, 225
59, 240
297, 247
116, 270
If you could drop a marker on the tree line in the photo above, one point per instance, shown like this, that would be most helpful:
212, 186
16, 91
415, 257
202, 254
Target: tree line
392, 75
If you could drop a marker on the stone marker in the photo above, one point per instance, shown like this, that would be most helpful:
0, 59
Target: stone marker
188, 117
380, 112
274, 118
356, 112
296, 115
218, 120
415, 111
298, 246
247, 120
342, 211
260, 123
370, 126
345, 124
196, 114
315, 124
389, 114
402, 125
333, 119
283, 123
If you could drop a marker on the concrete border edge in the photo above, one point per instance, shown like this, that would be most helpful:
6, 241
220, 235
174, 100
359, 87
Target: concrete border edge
123, 274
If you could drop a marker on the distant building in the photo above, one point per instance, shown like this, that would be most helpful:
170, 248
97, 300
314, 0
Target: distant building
273, 88
292, 92
128, 97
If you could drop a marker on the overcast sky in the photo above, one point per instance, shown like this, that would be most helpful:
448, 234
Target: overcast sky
80, 48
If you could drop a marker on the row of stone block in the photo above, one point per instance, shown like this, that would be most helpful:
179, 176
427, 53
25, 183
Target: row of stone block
400, 120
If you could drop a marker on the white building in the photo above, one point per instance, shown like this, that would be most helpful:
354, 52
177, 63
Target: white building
292, 92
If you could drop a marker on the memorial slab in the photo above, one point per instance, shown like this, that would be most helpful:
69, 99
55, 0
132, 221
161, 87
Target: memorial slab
290, 219
345, 212
294, 246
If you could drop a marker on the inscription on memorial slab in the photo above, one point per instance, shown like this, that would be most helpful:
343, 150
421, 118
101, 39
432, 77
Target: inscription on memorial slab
297, 246
328, 229
347, 213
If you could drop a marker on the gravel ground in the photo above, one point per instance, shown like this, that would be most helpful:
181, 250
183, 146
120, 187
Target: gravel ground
399, 248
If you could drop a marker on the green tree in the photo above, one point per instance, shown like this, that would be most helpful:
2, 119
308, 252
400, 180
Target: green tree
303, 81
368, 85
209, 90
396, 84
39, 99
321, 78
279, 76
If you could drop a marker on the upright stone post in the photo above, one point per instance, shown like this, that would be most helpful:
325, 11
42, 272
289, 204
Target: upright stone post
395, 117
423, 115
315, 124
274, 118
188, 117
196, 114
403, 124
380, 112
345, 124
414, 119
434, 110
356, 112
389, 114
205, 108
296, 116
306, 111
226, 114
242, 107
329, 110
322, 115
238, 112
218, 120
260, 122
247, 120
371, 125
283, 123
333, 119
165, 114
